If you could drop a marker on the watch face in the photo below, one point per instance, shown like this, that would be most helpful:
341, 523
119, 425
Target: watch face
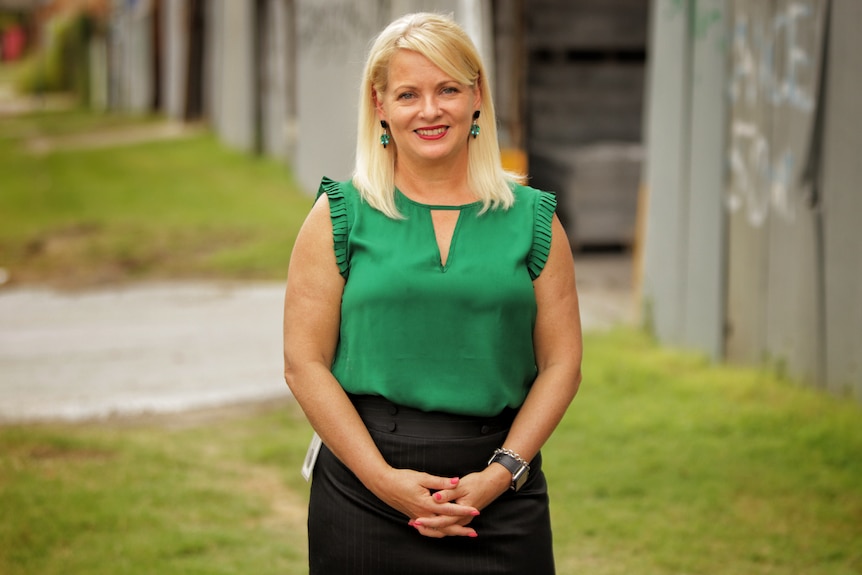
520, 478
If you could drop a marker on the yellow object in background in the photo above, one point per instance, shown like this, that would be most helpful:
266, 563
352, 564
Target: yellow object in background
514, 160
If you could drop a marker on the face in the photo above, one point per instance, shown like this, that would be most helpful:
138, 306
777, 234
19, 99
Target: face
429, 113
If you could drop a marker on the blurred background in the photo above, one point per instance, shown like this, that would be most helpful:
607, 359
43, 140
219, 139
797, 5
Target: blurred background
715, 143
157, 158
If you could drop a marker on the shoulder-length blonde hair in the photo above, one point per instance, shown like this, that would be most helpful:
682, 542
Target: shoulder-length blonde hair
448, 47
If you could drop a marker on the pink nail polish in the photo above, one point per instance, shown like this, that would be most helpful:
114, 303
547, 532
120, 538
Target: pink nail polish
474, 513
438, 497
474, 534
417, 523
454, 481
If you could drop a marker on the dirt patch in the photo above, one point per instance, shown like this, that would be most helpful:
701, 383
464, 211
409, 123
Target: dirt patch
53, 452
124, 136
199, 417
87, 255
13, 104
287, 510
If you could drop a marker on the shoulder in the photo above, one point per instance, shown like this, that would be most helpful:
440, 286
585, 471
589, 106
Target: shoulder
534, 197
541, 207
336, 189
334, 210
540, 203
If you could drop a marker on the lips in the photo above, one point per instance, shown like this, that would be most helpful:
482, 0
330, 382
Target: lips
432, 133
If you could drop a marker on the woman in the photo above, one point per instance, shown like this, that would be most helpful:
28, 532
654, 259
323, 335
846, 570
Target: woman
432, 334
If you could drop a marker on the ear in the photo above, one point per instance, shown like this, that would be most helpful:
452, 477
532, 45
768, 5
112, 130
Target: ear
477, 94
378, 105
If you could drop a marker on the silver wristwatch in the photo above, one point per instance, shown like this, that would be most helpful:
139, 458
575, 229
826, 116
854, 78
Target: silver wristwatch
516, 465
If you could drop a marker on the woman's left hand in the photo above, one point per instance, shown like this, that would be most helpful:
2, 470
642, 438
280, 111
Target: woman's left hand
474, 490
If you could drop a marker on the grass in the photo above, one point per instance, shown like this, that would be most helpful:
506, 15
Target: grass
668, 464
161, 496
664, 465
182, 208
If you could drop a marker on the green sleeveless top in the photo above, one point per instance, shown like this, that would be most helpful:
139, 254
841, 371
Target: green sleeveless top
456, 338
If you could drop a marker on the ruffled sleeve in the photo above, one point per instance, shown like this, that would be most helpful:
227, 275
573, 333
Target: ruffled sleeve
546, 203
338, 213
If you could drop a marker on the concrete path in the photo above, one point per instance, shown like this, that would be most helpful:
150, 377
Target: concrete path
167, 347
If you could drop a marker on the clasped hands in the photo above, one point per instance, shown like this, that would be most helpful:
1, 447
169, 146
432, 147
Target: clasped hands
441, 506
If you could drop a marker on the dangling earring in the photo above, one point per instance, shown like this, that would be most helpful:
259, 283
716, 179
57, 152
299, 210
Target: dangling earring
474, 129
384, 137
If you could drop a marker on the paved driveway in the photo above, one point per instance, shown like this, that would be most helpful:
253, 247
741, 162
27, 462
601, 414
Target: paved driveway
173, 346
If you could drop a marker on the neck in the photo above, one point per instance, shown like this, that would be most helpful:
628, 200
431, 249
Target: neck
437, 183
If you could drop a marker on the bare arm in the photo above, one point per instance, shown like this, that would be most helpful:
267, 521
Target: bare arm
312, 310
312, 315
558, 347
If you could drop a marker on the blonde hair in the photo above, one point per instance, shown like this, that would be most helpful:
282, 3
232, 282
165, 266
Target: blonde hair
448, 47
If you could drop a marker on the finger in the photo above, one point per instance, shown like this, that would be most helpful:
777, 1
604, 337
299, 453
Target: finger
449, 495
454, 530
448, 509
459, 531
443, 521
434, 483
444, 496
430, 532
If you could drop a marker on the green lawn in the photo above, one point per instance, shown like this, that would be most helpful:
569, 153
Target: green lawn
667, 464
183, 208
215, 496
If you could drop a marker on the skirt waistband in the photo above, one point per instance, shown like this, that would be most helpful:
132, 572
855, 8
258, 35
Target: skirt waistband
380, 414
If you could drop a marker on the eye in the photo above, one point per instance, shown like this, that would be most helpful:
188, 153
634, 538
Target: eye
406, 96
450, 90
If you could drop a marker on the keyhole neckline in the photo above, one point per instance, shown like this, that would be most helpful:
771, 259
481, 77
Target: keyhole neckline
437, 206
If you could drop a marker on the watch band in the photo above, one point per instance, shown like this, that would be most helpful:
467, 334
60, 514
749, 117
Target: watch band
514, 463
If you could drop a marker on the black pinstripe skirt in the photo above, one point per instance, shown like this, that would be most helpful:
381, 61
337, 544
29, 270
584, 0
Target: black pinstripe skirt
352, 532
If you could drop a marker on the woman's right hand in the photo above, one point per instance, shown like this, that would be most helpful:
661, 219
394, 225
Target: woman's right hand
412, 493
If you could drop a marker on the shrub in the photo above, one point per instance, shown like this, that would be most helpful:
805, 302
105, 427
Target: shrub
62, 64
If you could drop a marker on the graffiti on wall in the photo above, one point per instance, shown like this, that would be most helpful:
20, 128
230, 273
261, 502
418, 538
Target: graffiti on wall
773, 89
335, 31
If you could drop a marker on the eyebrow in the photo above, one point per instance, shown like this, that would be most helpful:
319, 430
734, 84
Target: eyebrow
400, 87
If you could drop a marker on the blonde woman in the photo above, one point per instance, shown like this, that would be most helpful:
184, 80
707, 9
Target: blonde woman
431, 331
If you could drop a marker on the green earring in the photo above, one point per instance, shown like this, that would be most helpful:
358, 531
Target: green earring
384, 137
474, 129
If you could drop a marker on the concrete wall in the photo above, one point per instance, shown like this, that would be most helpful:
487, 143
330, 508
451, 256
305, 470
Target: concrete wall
127, 51
703, 251
240, 64
136, 26
332, 38
666, 175
234, 72
174, 55
773, 275
750, 251
840, 173
278, 80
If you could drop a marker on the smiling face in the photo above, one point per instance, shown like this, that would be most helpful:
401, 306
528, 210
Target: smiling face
428, 112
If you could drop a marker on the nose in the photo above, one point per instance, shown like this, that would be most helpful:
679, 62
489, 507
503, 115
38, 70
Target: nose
430, 107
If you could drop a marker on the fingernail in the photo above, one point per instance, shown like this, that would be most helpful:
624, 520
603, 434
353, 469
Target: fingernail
453, 481
411, 523
417, 523
438, 497
474, 513
474, 534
